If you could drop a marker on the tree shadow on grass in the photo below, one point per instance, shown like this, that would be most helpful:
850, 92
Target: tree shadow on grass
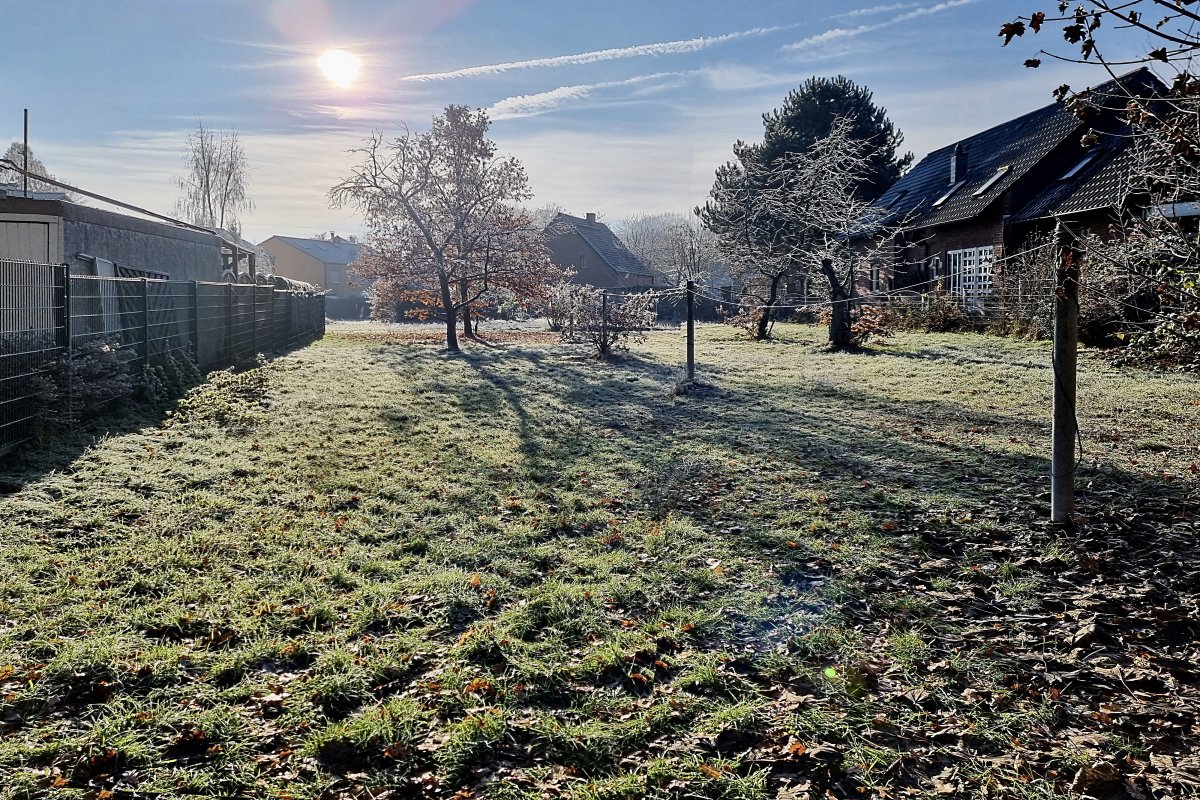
56, 450
864, 449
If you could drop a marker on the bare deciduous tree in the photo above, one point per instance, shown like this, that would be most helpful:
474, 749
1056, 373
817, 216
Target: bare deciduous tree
674, 246
443, 228
796, 217
16, 155
215, 188
1147, 266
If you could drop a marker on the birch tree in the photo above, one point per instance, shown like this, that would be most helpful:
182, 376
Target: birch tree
215, 186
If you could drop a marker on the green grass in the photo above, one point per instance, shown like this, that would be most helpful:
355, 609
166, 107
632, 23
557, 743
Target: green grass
523, 572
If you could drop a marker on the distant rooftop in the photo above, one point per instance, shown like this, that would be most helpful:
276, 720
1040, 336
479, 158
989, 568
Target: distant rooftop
328, 251
603, 241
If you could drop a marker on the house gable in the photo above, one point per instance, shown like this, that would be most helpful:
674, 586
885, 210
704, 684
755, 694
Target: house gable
606, 261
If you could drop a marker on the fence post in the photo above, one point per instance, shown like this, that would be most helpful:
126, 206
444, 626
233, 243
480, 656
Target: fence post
604, 322
66, 320
195, 298
254, 319
146, 318
691, 330
229, 323
1066, 337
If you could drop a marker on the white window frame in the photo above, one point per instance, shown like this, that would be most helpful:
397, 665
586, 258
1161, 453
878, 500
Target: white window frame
970, 273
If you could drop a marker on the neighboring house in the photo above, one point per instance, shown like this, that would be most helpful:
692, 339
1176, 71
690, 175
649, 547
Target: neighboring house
92, 241
598, 257
966, 205
324, 263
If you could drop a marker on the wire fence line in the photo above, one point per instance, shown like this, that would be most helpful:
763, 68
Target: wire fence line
49, 320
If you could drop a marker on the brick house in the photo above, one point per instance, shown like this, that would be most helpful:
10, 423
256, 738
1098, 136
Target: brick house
598, 257
968, 204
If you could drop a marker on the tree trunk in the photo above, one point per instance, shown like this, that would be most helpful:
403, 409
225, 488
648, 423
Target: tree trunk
839, 318
468, 331
451, 316
764, 322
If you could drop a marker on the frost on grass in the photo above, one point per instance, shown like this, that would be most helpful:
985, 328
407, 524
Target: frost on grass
367, 568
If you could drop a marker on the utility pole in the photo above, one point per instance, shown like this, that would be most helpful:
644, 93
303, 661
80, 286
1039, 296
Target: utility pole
1066, 342
691, 330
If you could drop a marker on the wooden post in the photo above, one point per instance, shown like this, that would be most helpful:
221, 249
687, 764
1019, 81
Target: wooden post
65, 271
691, 330
1066, 342
603, 322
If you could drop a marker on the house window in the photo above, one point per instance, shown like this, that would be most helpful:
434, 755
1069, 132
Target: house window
335, 276
970, 274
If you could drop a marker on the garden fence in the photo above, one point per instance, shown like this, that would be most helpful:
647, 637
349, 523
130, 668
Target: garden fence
48, 316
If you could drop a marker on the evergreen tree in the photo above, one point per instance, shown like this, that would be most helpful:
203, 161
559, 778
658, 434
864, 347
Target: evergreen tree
808, 114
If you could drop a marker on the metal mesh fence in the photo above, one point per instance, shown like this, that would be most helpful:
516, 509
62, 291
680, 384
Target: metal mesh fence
52, 323
32, 336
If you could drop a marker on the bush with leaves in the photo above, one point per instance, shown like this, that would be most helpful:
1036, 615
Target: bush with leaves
873, 324
749, 319
605, 323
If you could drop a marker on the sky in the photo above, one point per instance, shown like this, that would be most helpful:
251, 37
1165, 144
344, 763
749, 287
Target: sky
619, 107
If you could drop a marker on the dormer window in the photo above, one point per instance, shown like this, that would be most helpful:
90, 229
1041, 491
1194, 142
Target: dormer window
1000, 173
949, 192
1083, 162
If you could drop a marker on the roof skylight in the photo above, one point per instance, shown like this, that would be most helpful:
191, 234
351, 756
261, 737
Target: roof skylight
948, 193
1083, 162
1000, 173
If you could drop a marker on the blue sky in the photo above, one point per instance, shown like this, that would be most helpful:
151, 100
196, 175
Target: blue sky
618, 107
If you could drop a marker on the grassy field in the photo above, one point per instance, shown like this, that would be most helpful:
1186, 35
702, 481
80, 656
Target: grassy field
374, 569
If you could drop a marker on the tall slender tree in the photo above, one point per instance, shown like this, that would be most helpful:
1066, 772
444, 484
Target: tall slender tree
216, 186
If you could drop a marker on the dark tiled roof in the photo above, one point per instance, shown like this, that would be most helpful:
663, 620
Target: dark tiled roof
326, 252
1018, 144
1021, 145
1099, 185
604, 242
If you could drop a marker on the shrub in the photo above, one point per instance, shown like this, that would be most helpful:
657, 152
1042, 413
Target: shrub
873, 323
606, 326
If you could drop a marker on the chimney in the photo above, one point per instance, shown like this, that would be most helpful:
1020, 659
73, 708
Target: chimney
591, 217
958, 164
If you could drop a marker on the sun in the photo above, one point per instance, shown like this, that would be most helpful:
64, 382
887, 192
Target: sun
341, 67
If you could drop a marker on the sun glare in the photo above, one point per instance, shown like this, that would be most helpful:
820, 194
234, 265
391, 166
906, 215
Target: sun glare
340, 66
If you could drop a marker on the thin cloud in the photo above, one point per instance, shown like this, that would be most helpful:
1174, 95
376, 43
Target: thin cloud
528, 105
635, 51
835, 34
867, 12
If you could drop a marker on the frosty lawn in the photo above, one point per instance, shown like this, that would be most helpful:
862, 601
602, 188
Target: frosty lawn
518, 572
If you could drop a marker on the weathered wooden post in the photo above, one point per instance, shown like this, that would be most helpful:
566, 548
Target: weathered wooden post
604, 322
1066, 340
229, 322
691, 330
